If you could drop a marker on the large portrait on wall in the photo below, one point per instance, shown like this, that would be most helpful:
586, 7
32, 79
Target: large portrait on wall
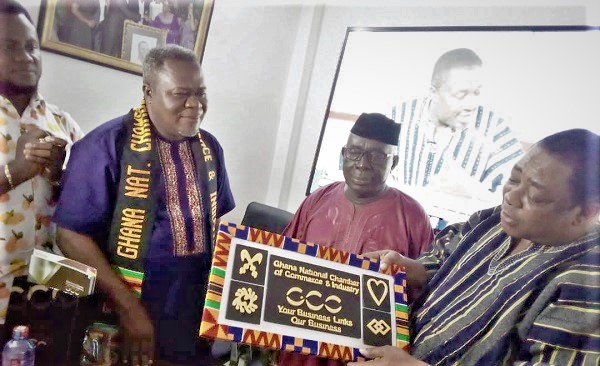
117, 33
534, 80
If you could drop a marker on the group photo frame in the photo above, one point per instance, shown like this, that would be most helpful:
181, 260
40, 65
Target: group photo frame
118, 33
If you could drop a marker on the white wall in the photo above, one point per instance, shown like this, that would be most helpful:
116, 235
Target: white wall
269, 68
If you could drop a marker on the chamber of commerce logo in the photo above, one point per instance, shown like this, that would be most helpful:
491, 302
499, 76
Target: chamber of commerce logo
314, 300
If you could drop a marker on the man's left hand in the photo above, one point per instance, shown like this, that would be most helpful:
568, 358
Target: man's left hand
387, 356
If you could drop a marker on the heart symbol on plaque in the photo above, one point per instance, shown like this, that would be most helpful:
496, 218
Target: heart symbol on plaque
373, 287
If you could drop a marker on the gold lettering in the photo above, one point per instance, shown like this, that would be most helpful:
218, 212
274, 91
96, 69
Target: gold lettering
136, 186
211, 175
136, 191
128, 242
138, 182
127, 252
140, 137
297, 321
129, 222
205, 149
134, 213
131, 170
130, 232
142, 148
141, 130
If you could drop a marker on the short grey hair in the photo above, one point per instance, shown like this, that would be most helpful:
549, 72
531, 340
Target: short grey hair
157, 56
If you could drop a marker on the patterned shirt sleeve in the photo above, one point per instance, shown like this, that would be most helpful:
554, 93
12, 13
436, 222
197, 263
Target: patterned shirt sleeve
66, 123
72, 127
447, 240
562, 326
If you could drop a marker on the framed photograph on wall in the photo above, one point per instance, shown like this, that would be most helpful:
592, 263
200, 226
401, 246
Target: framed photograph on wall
537, 80
139, 39
113, 33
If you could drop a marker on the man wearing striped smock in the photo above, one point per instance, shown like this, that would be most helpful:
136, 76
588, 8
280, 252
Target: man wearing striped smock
517, 284
448, 140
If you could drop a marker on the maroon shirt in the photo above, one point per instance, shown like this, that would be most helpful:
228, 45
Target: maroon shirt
395, 221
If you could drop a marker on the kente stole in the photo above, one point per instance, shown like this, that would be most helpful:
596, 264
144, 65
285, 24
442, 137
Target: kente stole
134, 213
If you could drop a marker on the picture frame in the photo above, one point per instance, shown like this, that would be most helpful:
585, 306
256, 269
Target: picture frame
88, 30
539, 78
138, 39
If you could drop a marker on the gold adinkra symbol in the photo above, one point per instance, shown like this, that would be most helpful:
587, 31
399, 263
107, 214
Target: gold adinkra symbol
371, 283
295, 298
245, 300
249, 265
378, 327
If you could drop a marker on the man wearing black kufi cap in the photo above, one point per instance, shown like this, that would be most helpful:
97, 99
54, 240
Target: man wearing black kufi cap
362, 214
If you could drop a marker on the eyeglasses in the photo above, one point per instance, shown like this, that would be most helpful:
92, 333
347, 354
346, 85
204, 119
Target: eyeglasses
375, 157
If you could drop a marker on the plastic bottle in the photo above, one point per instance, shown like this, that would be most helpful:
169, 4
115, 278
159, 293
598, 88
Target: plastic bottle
19, 351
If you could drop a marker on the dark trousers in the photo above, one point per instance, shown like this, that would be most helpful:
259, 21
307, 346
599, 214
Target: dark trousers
174, 292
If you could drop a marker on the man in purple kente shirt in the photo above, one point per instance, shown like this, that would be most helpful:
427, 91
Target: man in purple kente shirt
142, 195
362, 214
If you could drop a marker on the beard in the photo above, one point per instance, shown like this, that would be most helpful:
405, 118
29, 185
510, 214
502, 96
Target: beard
8, 88
188, 133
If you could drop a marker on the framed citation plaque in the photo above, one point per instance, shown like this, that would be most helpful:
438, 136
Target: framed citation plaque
272, 291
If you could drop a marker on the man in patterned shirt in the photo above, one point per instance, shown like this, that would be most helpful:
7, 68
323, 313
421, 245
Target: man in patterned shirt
516, 284
449, 141
34, 138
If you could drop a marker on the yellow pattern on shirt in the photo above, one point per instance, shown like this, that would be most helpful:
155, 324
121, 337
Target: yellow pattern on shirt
26, 211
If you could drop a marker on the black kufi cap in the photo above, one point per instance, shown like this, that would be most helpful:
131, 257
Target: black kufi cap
376, 126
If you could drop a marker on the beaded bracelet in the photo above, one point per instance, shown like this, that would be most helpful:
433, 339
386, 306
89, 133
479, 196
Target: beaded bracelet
8, 177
